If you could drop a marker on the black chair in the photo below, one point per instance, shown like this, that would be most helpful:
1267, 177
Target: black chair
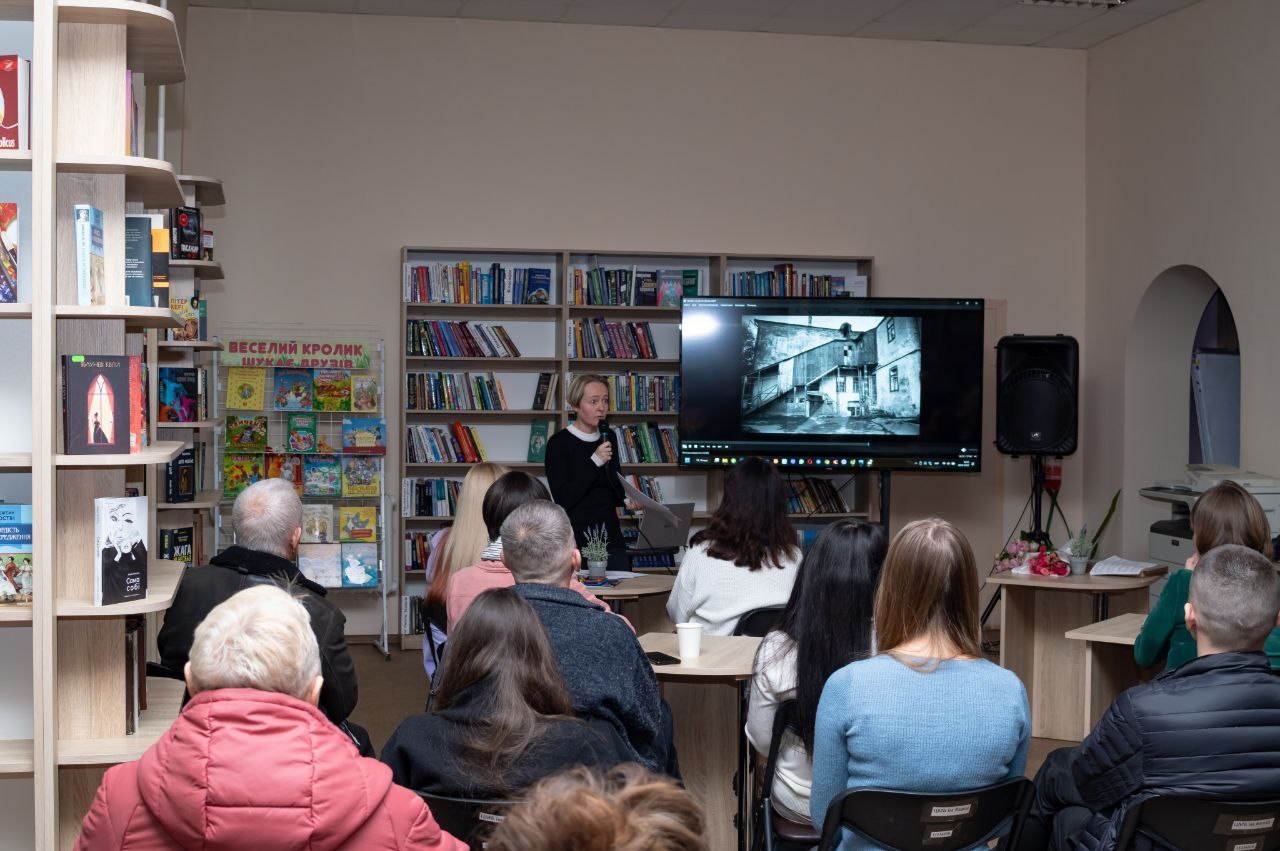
929, 821
779, 833
1201, 824
758, 623
433, 614
469, 819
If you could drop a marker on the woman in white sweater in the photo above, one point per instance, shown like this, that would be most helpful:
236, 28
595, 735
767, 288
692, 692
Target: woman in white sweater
825, 626
745, 559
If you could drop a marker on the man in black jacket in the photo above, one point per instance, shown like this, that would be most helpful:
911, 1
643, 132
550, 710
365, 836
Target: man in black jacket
268, 524
1210, 728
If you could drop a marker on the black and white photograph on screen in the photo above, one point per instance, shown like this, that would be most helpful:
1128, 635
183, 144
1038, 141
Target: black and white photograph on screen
854, 375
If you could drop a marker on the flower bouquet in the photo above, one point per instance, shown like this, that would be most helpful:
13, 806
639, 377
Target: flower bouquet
1013, 555
1047, 563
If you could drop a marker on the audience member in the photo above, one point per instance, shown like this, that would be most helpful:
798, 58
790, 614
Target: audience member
454, 547
268, 524
627, 809
825, 626
1209, 728
745, 559
250, 762
601, 661
927, 713
1224, 514
505, 495
502, 717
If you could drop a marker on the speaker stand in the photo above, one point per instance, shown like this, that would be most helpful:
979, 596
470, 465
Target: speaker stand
1037, 534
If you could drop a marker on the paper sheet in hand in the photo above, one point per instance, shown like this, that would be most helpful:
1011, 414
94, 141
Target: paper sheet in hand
639, 498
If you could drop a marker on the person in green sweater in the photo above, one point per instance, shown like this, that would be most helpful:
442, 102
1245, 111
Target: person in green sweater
1224, 514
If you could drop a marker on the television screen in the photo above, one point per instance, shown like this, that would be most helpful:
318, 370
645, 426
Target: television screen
874, 383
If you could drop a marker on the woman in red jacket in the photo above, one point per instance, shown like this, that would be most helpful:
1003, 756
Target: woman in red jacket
251, 762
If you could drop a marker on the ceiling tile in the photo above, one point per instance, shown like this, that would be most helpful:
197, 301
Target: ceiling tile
808, 26
731, 7
410, 8
514, 10
305, 5
989, 35
1042, 19
616, 14
859, 11
941, 13
741, 20
1094, 31
918, 32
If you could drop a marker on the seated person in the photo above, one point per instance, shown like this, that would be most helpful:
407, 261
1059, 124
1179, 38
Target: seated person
927, 713
1209, 728
627, 809
250, 762
745, 559
268, 525
505, 495
825, 626
502, 718
601, 661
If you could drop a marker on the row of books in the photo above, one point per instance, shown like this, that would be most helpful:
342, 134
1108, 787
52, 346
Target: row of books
325, 523
646, 443
814, 495
784, 280
598, 338
439, 339
647, 485
544, 395
467, 283
637, 392
453, 391
411, 622
250, 435
632, 287
632, 538
149, 245
184, 543
429, 497
293, 389
340, 565
330, 476
457, 444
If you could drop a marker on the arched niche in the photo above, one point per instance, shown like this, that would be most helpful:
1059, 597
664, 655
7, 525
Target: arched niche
1157, 393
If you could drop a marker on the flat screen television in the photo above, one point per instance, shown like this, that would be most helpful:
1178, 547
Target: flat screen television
832, 384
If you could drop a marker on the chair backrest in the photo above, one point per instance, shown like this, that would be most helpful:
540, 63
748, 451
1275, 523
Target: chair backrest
1193, 824
468, 819
929, 821
770, 824
758, 622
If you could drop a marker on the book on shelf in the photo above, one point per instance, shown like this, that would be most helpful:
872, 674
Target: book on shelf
300, 433
177, 543
357, 524
16, 555
411, 622
539, 431
120, 538
458, 444
90, 261
454, 391
184, 233
424, 497
647, 485
180, 397
134, 672
364, 436
321, 475
294, 389
646, 443
543, 396
417, 549
691, 283
361, 476
132, 116
240, 471
206, 244
180, 477
246, 388
137, 261
191, 309
139, 404
287, 466
317, 524
8, 252
15, 103
331, 389
814, 495
632, 392
598, 338
785, 280
444, 339
475, 283
670, 287
321, 563
246, 434
365, 394
159, 261
359, 565
102, 404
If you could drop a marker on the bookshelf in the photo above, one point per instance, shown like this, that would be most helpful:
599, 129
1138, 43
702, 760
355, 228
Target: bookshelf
541, 332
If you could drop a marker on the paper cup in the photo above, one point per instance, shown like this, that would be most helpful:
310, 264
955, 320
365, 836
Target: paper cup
690, 636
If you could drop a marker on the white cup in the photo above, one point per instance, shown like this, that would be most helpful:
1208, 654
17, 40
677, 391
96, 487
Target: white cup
690, 637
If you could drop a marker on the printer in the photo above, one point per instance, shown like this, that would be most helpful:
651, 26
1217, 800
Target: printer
1169, 540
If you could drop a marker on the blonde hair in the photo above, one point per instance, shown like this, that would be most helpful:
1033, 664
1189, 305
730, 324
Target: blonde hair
258, 638
929, 587
468, 536
578, 387
626, 809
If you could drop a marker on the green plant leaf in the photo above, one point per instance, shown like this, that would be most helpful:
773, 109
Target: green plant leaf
1102, 527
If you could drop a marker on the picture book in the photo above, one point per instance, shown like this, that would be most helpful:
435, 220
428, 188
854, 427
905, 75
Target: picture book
364, 436
190, 310
321, 563
176, 544
206, 244
317, 524
301, 433
321, 476
180, 477
332, 391
359, 565
8, 252
184, 233
16, 581
137, 260
670, 285
179, 394
539, 287
361, 476
90, 263
246, 434
246, 388
120, 540
293, 390
15, 103
357, 523
240, 471
285, 466
364, 392
538, 431
96, 404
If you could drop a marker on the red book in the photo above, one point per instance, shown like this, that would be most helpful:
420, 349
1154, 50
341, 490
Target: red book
464, 443
137, 405
15, 103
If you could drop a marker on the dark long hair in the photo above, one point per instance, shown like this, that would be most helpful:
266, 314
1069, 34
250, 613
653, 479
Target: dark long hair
508, 493
500, 644
750, 528
828, 616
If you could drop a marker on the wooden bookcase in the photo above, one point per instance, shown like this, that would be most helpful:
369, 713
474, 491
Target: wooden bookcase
539, 330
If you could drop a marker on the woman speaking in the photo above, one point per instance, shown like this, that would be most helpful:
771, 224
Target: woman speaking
582, 467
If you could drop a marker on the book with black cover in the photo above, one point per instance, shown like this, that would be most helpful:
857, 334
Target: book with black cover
137, 260
95, 404
180, 477
184, 231
176, 544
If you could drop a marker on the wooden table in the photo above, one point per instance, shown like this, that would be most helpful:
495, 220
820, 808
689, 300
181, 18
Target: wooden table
1037, 612
705, 701
1109, 667
644, 598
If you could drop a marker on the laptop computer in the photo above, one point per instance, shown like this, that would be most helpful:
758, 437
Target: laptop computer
657, 532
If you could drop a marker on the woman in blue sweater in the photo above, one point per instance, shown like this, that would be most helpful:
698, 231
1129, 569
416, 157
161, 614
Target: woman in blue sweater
927, 713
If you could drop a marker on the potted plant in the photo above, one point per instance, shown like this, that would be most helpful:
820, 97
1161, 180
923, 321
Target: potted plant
595, 550
1079, 550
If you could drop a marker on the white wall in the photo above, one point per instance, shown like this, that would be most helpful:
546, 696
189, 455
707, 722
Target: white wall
341, 138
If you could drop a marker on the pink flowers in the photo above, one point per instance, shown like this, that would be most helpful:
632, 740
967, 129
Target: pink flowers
1045, 563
